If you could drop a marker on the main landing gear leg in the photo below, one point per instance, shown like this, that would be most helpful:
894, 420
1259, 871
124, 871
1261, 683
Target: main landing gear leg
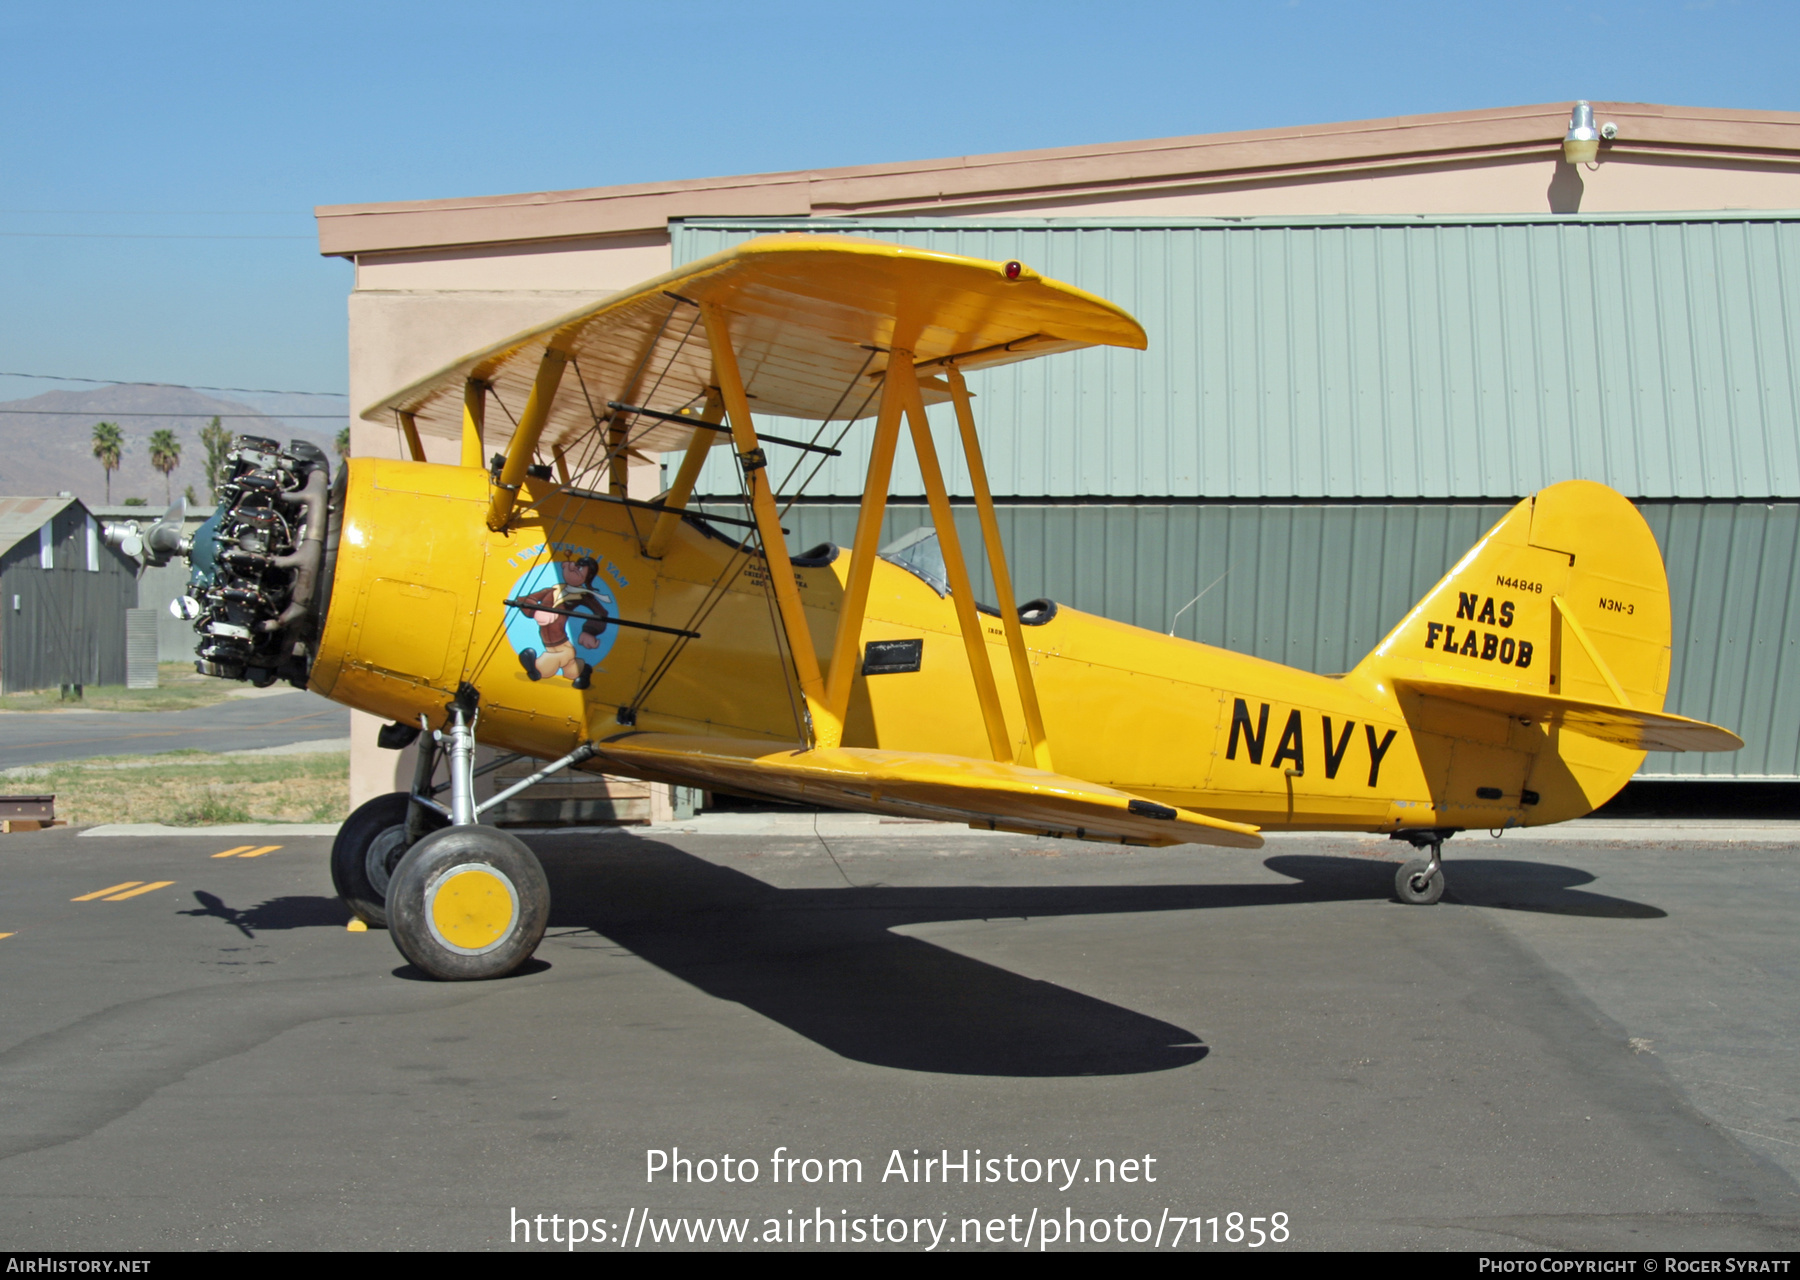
466, 902
1421, 881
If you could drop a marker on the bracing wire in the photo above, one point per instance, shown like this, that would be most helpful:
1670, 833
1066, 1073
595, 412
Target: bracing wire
789, 675
585, 462
746, 550
716, 594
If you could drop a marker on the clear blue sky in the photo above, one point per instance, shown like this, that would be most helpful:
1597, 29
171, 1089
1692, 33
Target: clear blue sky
159, 162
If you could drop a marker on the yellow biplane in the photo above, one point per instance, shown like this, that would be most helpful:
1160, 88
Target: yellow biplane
529, 602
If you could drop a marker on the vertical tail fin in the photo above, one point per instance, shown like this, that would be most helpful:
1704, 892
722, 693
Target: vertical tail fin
1562, 605
1565, 596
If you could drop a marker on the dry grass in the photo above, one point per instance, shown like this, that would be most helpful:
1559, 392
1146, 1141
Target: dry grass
179, 687
192, 788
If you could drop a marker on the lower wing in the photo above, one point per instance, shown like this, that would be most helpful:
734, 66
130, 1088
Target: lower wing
983, 793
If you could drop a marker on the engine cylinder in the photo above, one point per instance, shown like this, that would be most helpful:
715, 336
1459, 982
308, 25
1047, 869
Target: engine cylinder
258, 563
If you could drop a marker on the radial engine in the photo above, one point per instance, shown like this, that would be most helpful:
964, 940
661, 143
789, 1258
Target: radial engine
261, 572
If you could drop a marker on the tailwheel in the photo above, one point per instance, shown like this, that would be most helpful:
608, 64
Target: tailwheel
368, 848
467, 903
1420, 882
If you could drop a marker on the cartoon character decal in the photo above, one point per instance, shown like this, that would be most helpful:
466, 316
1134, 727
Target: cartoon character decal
563, 627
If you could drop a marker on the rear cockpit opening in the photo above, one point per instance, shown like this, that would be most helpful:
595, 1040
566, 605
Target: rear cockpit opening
920, 554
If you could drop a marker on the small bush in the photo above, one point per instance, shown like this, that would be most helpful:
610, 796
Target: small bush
213, 810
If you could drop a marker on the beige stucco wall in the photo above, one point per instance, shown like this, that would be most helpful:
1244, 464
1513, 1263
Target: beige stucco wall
412, 314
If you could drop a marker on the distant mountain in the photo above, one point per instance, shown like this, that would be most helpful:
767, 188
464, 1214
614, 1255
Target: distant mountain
46, 442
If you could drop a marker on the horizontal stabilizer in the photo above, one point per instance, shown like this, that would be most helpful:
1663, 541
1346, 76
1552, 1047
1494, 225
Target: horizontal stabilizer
1625, 726
985, 793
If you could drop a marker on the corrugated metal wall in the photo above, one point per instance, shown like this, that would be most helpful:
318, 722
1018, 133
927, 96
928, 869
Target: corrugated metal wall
1317, 586
68, 626
1368, 358
1451, 364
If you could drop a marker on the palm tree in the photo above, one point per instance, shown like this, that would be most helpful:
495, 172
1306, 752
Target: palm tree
343, 443
165, 456
218, 447
109, 443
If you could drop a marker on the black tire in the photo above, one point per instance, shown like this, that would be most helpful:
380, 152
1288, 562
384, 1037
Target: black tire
1409, 891
468, 903
369, 846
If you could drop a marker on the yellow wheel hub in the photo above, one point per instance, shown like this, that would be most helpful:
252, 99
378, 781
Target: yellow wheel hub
472, 908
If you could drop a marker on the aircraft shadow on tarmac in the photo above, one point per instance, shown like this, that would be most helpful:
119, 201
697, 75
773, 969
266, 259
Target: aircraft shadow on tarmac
1501, 883
826, 963
276, 913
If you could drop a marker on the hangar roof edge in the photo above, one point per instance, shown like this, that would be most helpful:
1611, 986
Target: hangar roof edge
970, 183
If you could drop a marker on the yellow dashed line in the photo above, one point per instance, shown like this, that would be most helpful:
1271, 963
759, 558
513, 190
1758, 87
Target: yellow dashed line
101, 893
5, 935
229, 853
257, 853
143, 888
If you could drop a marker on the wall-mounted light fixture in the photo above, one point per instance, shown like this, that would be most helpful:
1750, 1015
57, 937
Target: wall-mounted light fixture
1581, 144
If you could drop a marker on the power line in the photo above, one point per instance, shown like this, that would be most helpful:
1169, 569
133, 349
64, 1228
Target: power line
132, 235
127, 413
179, 386
172, 213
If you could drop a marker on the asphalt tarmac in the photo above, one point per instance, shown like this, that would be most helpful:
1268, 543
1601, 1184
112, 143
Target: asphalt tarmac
1589, 1044
236, 724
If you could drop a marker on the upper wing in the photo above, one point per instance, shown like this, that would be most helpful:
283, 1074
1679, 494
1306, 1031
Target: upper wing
1625, 726
810, 316
985, 793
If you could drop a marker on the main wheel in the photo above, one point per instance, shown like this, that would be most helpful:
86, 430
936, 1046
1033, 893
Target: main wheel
369, 846
1411, 885
468, 902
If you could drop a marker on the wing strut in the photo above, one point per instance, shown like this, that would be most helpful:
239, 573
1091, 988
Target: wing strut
677, 498
474, 418
962, 593
1038, 742
525, 437
410, 428
846, 648
900, 395
824, 725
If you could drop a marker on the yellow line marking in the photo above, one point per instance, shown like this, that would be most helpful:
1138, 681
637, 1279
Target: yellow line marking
143, 888
101, 893
230, 852
5, 935
257, 853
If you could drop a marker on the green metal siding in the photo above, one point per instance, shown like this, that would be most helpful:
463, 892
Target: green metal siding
1418, 375
1461, 359
1317, 586
1734, 583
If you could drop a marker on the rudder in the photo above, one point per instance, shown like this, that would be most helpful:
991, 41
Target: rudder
1567, 597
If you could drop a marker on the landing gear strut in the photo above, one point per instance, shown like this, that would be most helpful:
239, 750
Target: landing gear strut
466, 901
1420, 882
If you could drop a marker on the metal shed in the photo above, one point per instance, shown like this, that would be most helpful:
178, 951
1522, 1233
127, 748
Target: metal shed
1333, 409
63, 597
